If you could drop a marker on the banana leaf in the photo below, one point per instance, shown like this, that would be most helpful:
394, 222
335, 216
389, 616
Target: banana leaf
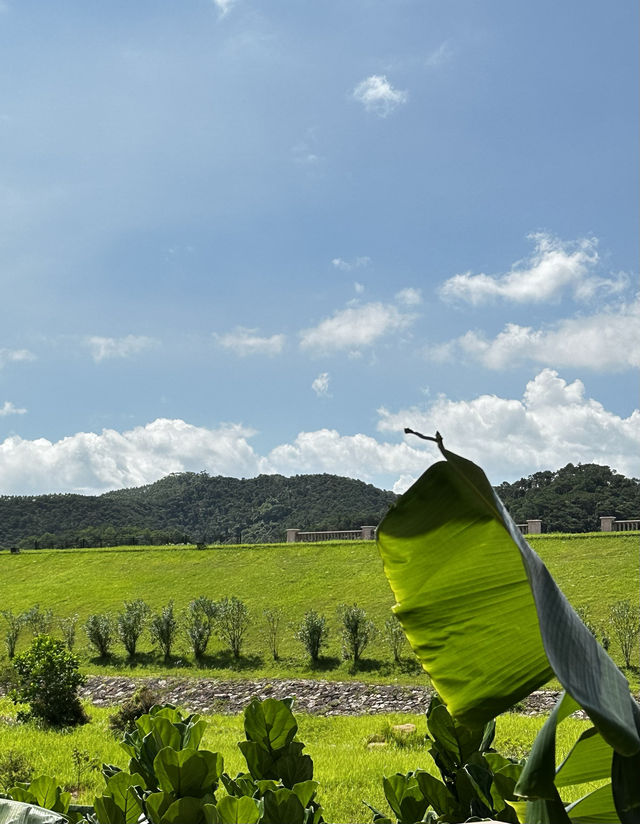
484, 615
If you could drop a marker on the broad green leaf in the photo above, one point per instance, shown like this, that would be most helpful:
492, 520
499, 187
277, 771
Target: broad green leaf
185, 811
48, 794
436, 793
282, 807
188, 772
107, 811
165, 733
238, 810
305, 790
156, 805
589, 760
405, 797
17, 812
625, 783
482, 612
597, 807
270, 723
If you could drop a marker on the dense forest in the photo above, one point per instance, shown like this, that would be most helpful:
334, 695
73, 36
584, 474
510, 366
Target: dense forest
192, 508
573, 498
198, 508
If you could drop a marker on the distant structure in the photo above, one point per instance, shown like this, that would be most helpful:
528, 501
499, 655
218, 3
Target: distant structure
532, 527
608, 523
365, 533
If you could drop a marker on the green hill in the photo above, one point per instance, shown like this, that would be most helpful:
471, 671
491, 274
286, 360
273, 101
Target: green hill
192, 508
573, 498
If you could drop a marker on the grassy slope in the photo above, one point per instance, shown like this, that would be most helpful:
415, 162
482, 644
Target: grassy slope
593, 570
348, 771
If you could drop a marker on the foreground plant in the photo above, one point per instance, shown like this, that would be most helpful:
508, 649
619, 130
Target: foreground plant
489, 625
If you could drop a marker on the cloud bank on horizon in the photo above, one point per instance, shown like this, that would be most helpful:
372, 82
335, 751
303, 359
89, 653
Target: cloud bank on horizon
244, 239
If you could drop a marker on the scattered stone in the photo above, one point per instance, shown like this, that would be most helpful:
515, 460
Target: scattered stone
404, 729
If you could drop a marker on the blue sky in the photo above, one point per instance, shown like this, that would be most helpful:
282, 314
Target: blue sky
264, 237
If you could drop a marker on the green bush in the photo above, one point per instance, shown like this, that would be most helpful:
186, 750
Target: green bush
130, 624
625, 623
99, 629
47, 679
313, 633
199, 624
124, 720
68, 629
394, 637
164, 629
14, 628
39, 621
232, 623
357, 631
273, 624
14, 767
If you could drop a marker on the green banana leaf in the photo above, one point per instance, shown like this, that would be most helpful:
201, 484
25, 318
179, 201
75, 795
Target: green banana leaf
487, 620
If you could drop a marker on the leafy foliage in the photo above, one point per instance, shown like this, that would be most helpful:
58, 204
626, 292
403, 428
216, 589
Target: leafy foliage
313, 633
199, 624
14, 625
357, 631
573, 498
131, 623
232, 623
476, 781
189, 507
489, 625
48, 678
625, 623
164, 629
100, 633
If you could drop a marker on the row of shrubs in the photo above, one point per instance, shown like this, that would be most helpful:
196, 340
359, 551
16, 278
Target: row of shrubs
228, 619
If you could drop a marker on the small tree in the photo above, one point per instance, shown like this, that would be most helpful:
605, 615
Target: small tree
163, 629
130, 624
199, 624
14, 628
232, 623
625, 623
273, 623
394, 636
38, 620
313, 633
357, 631
68, 629
48, 678
99, 630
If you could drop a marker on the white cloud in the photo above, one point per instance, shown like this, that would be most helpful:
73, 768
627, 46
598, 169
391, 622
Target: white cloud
348, 266
608, 340
553, 424
15, 356
553, 267
90, 463
378, 95
321, 385
358, 287
247, 342
8, 408
105, 348
409, 296
439, 56
224, 6
355, 327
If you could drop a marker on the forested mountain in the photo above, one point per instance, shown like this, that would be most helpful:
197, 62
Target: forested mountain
573, 498
190, 507
198, 508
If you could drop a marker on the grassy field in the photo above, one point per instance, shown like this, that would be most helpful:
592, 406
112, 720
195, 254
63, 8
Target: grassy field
593, 570
347, 769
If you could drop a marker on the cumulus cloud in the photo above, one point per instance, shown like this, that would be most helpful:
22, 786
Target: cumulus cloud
89, 462
355, 327
321, 385
349, 265
244, 341
409, 296
378, 95
608, 340
554, 266
554, 423
15, 356
358, 287
105, 348
8, 408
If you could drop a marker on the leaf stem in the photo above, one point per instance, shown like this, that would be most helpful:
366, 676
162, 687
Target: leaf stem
437, 439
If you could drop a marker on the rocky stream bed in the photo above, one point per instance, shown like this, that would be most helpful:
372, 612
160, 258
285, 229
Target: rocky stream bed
318, 697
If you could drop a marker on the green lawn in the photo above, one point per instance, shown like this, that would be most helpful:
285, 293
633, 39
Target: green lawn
594, 571
347, 769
